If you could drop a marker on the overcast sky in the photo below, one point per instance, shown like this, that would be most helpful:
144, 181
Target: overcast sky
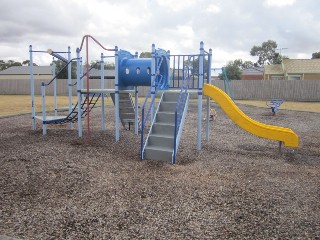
229, 27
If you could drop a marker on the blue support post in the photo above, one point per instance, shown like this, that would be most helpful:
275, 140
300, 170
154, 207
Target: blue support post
33, 121
102, 95
136, 113
79, 85
153, 76
200, 86
70, 83
169, 83
116, 98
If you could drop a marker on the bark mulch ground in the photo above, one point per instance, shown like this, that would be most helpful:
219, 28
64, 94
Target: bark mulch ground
238, 187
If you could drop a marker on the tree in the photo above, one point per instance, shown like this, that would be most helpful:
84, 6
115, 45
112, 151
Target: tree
27, 63
10, 63
267, 53
315, 55
107, 65
2, 65
64, 73
243, 64
233, 70
145, 55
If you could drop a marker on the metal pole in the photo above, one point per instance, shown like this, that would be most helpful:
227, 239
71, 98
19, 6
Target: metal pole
69, 83
136, 125
200, 86
279, 149
44, 120
54, 87
168, 52
153, 76
33, 121
116, 95
79, 85
208, 98
88, 87
81, 72
102, 94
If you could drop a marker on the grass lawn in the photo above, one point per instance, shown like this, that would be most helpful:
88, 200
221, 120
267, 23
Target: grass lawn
297, 106
19, 104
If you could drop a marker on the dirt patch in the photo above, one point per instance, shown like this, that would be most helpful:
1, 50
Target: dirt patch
238, 187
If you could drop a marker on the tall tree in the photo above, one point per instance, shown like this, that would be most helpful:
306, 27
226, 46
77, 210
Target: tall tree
315, 55
243, 64
267, 53
233, 70
10, 63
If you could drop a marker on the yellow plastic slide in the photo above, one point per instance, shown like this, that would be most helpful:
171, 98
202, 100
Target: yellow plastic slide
285, 135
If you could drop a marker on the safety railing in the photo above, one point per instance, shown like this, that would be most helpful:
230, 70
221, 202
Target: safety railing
180, 107
145, 115
178, 73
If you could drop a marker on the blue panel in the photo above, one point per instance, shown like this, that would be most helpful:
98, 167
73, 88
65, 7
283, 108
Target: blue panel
137, 71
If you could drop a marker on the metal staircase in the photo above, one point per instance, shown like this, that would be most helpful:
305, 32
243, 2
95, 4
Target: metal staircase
164, 135
127, 110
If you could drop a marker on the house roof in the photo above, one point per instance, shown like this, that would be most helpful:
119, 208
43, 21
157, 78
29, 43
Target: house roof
96, 73
253, 71
301, 65
273, 69
294, 66
25, 70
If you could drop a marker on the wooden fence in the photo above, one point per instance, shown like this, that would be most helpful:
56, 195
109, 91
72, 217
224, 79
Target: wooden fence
265, 89
308, 90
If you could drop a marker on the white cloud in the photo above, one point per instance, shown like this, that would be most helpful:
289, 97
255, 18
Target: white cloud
278, 3
232, 27
176, 5
213, 8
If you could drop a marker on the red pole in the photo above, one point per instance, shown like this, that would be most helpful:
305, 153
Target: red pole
88, 104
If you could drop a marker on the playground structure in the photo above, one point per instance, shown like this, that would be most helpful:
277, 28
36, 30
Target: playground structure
161, 123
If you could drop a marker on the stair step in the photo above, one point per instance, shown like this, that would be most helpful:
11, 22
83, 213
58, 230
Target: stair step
163, 128
161, 140
158, 153
165, 117
167, 106
170, 96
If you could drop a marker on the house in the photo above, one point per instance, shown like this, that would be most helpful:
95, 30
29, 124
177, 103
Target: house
96, 73
293, 69
252, 73
23, 72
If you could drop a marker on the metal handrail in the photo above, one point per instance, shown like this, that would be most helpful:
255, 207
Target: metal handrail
47, 84
146, 117
179, 109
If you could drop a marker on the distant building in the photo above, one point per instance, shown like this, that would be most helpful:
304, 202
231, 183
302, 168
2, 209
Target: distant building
252, 73
293, 69
23, 72
96, 73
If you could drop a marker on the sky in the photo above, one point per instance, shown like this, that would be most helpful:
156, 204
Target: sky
229, 27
